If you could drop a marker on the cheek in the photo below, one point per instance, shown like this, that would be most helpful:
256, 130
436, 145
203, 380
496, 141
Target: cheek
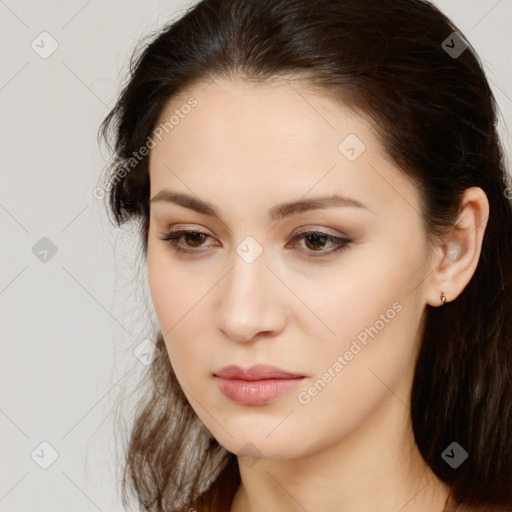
369, 334
372, 315
161, 291
355, 295
179, 303
172, 293
368, 362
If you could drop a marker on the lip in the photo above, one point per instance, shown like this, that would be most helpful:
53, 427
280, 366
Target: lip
257, 385
256, 372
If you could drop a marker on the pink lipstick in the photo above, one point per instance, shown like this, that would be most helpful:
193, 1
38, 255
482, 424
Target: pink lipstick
257, 385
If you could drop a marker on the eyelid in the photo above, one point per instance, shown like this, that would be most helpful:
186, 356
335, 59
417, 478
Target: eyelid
317, 229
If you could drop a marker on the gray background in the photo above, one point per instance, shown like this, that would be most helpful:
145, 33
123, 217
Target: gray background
70, 324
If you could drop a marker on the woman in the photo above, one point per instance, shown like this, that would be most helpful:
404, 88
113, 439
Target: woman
325, 211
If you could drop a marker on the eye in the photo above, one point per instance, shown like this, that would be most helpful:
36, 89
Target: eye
313, 240
172, 238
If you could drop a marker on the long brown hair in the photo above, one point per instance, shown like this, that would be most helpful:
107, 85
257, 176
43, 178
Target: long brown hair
436, 117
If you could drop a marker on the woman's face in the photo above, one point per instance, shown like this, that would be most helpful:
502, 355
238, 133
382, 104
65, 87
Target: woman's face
342, 315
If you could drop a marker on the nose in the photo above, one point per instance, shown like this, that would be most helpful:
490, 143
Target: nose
250, 305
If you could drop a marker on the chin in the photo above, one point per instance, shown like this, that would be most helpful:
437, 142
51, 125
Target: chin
256, 447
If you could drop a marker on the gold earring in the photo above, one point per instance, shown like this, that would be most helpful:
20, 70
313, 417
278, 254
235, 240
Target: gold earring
443, 298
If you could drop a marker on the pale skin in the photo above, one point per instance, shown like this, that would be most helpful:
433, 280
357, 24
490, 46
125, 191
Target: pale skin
246, 148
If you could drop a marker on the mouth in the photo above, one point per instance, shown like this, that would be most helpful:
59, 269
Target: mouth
258, 385
255, 392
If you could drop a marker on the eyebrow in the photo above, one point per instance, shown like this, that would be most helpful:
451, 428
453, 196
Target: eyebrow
277, 212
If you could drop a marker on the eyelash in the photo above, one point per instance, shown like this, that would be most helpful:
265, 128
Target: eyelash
172, 238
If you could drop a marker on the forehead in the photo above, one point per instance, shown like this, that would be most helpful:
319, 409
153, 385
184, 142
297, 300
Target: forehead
271, 139
246, 116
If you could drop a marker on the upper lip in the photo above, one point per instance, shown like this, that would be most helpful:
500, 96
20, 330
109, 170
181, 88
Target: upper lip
257, 372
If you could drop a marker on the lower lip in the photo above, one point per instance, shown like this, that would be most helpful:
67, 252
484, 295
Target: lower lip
255, 392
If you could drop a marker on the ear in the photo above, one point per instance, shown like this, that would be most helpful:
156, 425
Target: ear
456, 259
